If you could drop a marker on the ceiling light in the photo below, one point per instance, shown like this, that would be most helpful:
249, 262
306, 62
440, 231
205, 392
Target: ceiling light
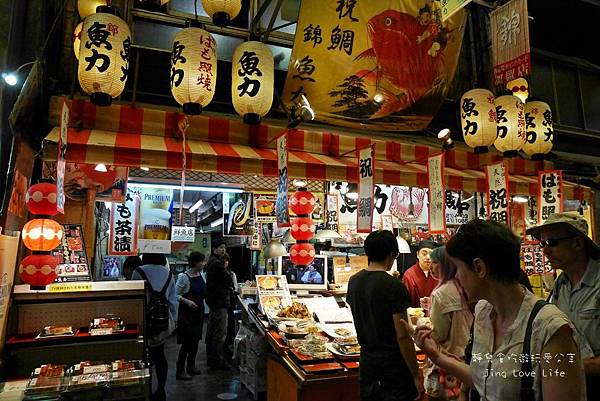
145, 168
520, 199
299, 184
323, 235
378, 98
101, 167
444, 133
217, 222
275, 249
187, 187
10, 79
195, 206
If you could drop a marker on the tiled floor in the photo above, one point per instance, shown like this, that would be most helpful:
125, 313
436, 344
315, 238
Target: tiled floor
207, 386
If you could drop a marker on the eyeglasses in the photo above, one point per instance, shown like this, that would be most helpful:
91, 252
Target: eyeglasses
554, 241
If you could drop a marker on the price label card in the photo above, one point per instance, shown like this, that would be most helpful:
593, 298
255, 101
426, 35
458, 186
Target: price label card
69, 287
101, 332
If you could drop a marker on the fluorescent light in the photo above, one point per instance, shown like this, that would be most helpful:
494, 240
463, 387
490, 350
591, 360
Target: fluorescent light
145, 168
520, 199
101, 167
299, 184
217, 222
195, 206
187, 187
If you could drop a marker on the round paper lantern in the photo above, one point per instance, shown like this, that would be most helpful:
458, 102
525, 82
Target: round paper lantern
87, 7
222, 11
41, 199
302, 202
252, 77
38, 270
510, 117
478, 119
193, 69
538, 127
104, 55
519, 88
302, 254
42, 234
77, 39
303, 228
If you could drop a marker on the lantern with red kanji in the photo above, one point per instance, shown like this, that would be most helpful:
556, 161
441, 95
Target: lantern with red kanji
38, 270
41, 199
302, 253
302, 203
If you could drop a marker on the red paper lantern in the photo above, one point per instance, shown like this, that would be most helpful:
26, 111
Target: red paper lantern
38, 270
302, 254
42, 234
302, 202
303, 228
41, 199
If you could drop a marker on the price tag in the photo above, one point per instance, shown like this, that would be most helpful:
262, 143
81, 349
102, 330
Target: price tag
69, 287
154, 246
101, 332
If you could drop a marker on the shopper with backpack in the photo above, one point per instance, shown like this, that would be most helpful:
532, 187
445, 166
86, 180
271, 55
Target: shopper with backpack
161, 309
521, 348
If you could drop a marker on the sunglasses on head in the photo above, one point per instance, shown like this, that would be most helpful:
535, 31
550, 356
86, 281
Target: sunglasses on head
554, 241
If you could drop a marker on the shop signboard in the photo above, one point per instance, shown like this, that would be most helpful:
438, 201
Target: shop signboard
354, 70
366, 183
281, 206
124, 222
183, 234
156, 211
61, 157
550, 194
498, 197
238, 214
457, 210
511, 55
437, 204
451, 7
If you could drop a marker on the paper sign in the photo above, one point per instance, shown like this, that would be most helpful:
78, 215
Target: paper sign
281, 206
183, 234
154, 246
550, 194
342, 272
273, 294
437, 204
498, 197
123, 237
60, 159
69, 287
332, 212
366, 168
256, 238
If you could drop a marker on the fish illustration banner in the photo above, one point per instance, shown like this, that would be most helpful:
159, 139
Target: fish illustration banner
366, 183
238, 214
498, 197
380, 65
281, 205
437, 204
550, 198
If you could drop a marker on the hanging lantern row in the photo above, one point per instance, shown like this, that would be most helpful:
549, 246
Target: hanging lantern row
302, 203
506, 123
222, 11
41, 235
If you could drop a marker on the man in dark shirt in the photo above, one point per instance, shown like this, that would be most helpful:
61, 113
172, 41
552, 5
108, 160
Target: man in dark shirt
388, 365
218, 298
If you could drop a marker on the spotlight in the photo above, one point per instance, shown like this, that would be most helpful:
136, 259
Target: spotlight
10, 79
520, 199
300, 112
444, 135
378, 98
101, 167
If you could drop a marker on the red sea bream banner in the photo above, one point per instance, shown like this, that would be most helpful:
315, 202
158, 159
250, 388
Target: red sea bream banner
383, 65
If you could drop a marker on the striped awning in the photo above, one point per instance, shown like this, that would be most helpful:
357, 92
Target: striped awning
146, 137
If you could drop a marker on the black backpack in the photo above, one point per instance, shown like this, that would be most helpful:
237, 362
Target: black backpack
157, 311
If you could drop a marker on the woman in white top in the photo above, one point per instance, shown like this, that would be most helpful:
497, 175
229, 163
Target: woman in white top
486, 255
451, 320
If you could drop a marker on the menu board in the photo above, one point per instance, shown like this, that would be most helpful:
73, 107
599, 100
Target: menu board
72, 258
273, 294
534, 260
342, 273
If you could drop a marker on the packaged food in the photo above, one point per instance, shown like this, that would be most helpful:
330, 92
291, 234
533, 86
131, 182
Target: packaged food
49, 370
56, 331
90, 380
125, 365
106, 325
125, 377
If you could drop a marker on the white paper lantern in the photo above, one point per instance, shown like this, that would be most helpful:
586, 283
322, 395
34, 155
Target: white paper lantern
77, 39
252, 77
510, 117
478, 119
539, 130
104, 56
193, 69
519, 87
222, 11
88, 7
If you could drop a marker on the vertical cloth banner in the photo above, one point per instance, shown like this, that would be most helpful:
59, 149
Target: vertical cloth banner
550, 194
123, 238
281, 205
511, 55
60, 158
497, 178
366, 184
379, 65
437, 204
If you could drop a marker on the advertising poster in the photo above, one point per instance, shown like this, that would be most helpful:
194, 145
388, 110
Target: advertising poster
273, 294
238, 214
265, 207
374, 65
73, 264
124, 223
16, 205
156, 210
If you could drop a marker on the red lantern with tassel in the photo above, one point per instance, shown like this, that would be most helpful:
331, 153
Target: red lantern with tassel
302, 253
39, 270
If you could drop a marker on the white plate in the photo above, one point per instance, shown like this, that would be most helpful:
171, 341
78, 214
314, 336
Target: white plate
330, 329
331, 348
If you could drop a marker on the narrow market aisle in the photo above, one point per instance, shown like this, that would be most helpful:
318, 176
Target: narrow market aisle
210, 385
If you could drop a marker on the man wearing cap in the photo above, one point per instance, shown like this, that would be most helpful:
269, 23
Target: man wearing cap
417, 279
576, 291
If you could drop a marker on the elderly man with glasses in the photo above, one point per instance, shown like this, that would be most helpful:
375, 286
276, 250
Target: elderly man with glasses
576, 292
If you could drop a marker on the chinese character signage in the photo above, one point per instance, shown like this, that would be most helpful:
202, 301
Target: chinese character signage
437, 205
550, 197
450, 7
457, 211
183, 234
510, 42
382, 65
256, 238
281, 206
238, 214
498, 197
366, 183
60, 159
124, 226
332, 212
